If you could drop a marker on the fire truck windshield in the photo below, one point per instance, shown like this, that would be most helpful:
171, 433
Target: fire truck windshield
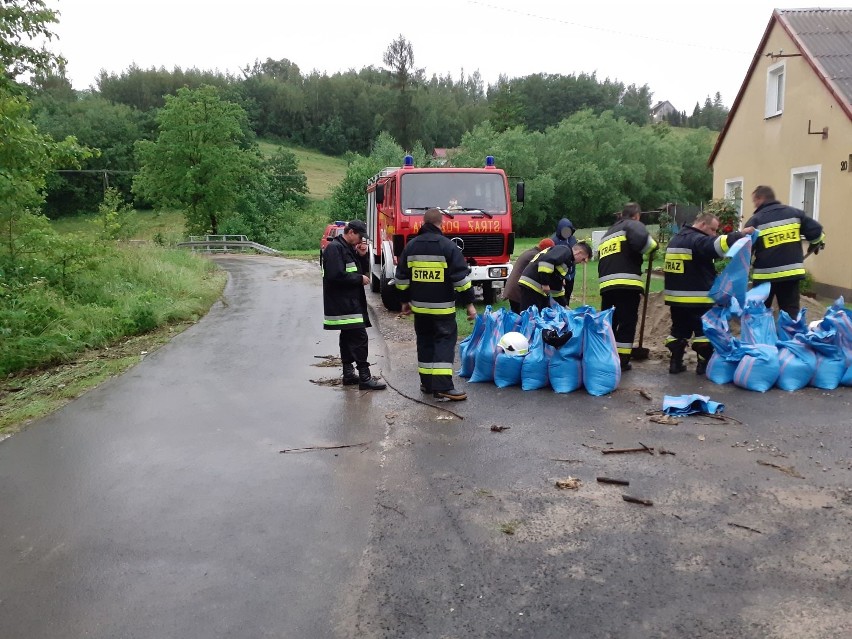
462, 192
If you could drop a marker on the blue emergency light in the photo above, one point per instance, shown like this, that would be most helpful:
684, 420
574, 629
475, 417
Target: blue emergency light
408, 161
489, 160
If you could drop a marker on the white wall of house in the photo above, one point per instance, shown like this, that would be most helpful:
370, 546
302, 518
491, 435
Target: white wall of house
768, 142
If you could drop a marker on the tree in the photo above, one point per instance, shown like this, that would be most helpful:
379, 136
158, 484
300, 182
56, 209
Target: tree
21, 22
200, 158
399, 57
26, 157
287, 182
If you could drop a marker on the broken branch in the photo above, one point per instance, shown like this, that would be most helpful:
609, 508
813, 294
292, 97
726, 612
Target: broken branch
614, 451
637, 500
610, 480
755, 530
303, 450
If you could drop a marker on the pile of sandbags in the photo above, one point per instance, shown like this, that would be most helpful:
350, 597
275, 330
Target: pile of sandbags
558, 347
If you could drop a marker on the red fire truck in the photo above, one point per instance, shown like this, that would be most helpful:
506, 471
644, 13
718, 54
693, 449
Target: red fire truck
477, 217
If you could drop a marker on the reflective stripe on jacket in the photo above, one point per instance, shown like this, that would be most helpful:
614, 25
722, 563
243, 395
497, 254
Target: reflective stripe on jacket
432, 274
778, 251
343, 297
550, 267
621, 253
688, 270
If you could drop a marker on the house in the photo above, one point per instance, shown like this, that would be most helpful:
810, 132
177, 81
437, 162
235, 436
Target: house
790, 127
662, 109
440, 156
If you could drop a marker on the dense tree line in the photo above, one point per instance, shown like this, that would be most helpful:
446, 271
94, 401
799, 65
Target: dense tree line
585, 168
583, 145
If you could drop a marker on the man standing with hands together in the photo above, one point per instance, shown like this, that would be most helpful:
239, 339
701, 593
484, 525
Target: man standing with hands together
431, 277
344, 268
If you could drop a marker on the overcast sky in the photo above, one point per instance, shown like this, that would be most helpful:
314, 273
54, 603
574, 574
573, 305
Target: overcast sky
684, 51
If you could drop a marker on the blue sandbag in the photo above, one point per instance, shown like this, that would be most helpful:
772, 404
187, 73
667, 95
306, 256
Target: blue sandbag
469, 345
726, 348
534, 368
757, 326
830, 362
759, 367
797, 364
721, 369
840, 319
508, 368
787, 328
601, 365
732, 282
497, 324
565, 371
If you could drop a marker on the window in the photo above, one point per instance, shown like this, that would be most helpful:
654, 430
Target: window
775, 89
804, 189
734, 192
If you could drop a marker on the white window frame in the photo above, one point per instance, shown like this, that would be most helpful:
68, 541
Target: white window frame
740, 183
776, 81
797, 186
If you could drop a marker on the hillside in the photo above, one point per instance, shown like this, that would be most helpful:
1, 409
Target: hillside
324, 172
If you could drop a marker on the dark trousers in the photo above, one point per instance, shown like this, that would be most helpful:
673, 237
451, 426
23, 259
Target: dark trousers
530, 298
436, 350
353, 347
626, 315
686, 321
787, 293
515, 306
569, 291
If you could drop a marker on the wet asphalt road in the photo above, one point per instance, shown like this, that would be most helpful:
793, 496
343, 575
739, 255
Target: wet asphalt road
158, 505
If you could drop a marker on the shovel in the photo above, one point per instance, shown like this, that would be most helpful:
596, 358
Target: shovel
639, 353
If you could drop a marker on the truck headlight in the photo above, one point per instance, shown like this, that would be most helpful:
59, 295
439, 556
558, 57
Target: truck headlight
498, 272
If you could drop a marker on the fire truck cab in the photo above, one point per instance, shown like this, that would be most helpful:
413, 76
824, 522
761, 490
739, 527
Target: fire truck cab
477, 212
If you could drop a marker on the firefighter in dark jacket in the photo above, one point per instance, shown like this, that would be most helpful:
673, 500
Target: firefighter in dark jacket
344, 268
689, 274
564, 236
431, 276
544, 276
622, 250
778, 256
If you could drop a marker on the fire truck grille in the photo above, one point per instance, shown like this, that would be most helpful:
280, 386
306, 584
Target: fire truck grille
481, 245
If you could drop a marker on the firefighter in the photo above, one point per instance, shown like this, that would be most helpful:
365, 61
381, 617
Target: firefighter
622, 250
544, 277
689, 273
512, 289
431, 276
564, 236
778, 257
344, 267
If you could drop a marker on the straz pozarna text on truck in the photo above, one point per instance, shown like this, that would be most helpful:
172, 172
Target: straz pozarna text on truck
477, 212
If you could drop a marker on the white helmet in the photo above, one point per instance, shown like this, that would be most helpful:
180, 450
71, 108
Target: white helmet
514, 344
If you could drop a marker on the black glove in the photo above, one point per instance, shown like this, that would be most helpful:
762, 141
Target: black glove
816, 248
554, 338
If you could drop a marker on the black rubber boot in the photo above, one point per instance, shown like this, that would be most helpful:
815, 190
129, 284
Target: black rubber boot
625, 362
368, 382
677, 349
452, 394
350, 377
704, 350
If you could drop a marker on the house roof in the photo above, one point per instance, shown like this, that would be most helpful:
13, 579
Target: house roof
824, 37
659, 106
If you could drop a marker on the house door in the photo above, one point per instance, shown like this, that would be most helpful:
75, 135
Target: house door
804, 191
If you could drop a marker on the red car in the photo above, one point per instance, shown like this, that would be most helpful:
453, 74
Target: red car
331, 231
